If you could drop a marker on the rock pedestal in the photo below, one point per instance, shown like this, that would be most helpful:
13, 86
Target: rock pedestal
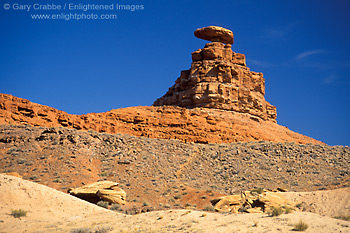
220, 79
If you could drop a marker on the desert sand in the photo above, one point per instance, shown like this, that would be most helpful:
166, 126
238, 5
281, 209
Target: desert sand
49, 210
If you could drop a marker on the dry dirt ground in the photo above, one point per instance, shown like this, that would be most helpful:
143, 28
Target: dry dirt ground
224, 153
49, 210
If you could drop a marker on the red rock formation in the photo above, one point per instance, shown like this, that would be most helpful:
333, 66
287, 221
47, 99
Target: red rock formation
215, 34
202, 125
219, 79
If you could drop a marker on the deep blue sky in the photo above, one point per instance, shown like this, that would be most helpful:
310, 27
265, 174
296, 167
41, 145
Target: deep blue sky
302, 47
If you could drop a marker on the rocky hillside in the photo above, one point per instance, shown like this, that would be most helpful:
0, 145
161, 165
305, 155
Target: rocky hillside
169, 173
202, 125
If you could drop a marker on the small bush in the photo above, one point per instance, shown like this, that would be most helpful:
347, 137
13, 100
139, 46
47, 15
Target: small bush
81, 230
103, 204
209, 208
145, 203
104, 174
102, 229
178, 196
18, 213
276, 211
115, 206
58, 180
257, 191
300, 226
346, 218
98, 229
288, 210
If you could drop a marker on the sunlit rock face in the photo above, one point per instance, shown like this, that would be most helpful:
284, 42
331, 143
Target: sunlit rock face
219, 79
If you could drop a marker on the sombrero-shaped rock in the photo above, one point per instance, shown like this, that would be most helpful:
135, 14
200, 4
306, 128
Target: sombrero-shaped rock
215, 34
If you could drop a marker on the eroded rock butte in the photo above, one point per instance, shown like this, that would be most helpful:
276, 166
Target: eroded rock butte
219, 79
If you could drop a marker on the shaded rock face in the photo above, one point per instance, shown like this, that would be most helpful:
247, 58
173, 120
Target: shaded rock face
220, 79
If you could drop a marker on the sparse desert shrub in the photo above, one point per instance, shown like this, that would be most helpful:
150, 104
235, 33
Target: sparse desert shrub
276, 211
209, 208
187, 204
58, 180
178, 196
115, 206
102, 229
103, 204
104, 174
18, 213
288, 210
145, 203
98, 229
300, 226
346, 218
81, 230
257, 191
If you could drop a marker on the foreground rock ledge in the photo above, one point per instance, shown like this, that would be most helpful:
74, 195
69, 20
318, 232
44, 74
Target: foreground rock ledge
252, 202
102, 190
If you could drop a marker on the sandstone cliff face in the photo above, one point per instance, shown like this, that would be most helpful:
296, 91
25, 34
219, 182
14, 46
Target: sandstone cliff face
219, 79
